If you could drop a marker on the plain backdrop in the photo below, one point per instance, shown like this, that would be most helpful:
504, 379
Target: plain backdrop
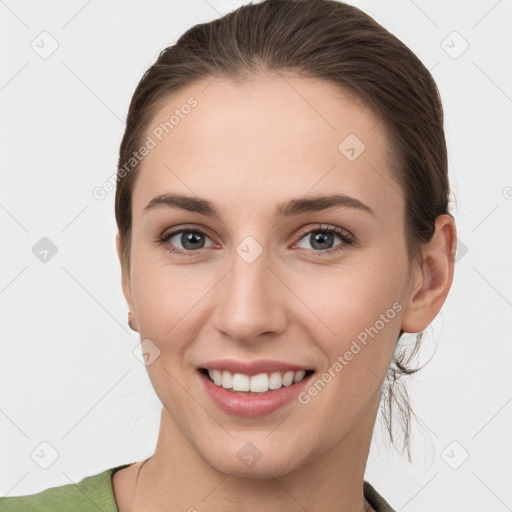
74, 395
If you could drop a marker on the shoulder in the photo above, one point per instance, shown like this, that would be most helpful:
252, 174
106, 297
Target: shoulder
91, 493
375, 499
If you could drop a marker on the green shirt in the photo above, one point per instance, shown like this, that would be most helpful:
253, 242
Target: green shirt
95, 494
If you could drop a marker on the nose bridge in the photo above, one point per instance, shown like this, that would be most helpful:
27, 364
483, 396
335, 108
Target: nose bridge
249, 302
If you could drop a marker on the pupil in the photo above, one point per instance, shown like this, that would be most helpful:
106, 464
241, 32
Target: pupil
320, 238
192, 238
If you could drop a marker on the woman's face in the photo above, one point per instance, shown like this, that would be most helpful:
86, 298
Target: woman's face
263, 282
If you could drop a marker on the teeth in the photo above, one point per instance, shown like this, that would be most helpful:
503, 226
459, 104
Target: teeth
260, 383
241, 382
299, 376
227, 380
288, 379
275, 381
217, 377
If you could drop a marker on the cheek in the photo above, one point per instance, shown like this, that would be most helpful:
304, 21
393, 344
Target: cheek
168, 302
352, 297
361, 307
355, 311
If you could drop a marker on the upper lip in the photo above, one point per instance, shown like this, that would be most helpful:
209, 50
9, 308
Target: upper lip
253, 367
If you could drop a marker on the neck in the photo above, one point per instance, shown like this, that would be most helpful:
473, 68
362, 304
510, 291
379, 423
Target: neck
176, 475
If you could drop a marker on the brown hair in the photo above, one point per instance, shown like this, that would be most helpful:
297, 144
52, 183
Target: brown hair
323, 39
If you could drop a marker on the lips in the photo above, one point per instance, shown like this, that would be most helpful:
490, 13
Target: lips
252, 404
252, 388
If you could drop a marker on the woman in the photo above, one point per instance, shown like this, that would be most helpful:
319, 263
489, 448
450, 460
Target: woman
282, 211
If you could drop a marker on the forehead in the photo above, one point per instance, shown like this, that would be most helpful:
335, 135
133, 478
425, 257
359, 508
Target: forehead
269, 138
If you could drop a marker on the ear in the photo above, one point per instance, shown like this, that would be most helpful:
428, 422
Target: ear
431, 280
125, 278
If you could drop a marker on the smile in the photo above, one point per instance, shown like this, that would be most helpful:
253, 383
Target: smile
252, 388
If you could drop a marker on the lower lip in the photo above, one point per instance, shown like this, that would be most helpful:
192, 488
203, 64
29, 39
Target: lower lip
250, 406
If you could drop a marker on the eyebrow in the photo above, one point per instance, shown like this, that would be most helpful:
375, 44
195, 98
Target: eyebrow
285, 209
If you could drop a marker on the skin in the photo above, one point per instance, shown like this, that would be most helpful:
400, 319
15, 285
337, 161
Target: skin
247, 146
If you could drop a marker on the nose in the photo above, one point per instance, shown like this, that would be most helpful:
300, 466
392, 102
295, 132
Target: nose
250, 300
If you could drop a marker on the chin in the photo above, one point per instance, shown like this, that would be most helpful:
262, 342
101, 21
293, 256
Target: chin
254, 459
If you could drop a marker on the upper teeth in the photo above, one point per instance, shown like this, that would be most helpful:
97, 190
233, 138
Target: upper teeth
258, 383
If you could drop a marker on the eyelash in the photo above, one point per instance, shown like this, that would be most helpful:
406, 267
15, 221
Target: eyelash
345, 237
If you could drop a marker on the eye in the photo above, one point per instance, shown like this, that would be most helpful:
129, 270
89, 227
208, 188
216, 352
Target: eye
322, 237
191, 240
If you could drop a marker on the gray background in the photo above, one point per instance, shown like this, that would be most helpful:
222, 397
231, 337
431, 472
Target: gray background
75, 398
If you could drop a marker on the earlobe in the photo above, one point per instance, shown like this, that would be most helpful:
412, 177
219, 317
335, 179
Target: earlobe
131, 322
432, 280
